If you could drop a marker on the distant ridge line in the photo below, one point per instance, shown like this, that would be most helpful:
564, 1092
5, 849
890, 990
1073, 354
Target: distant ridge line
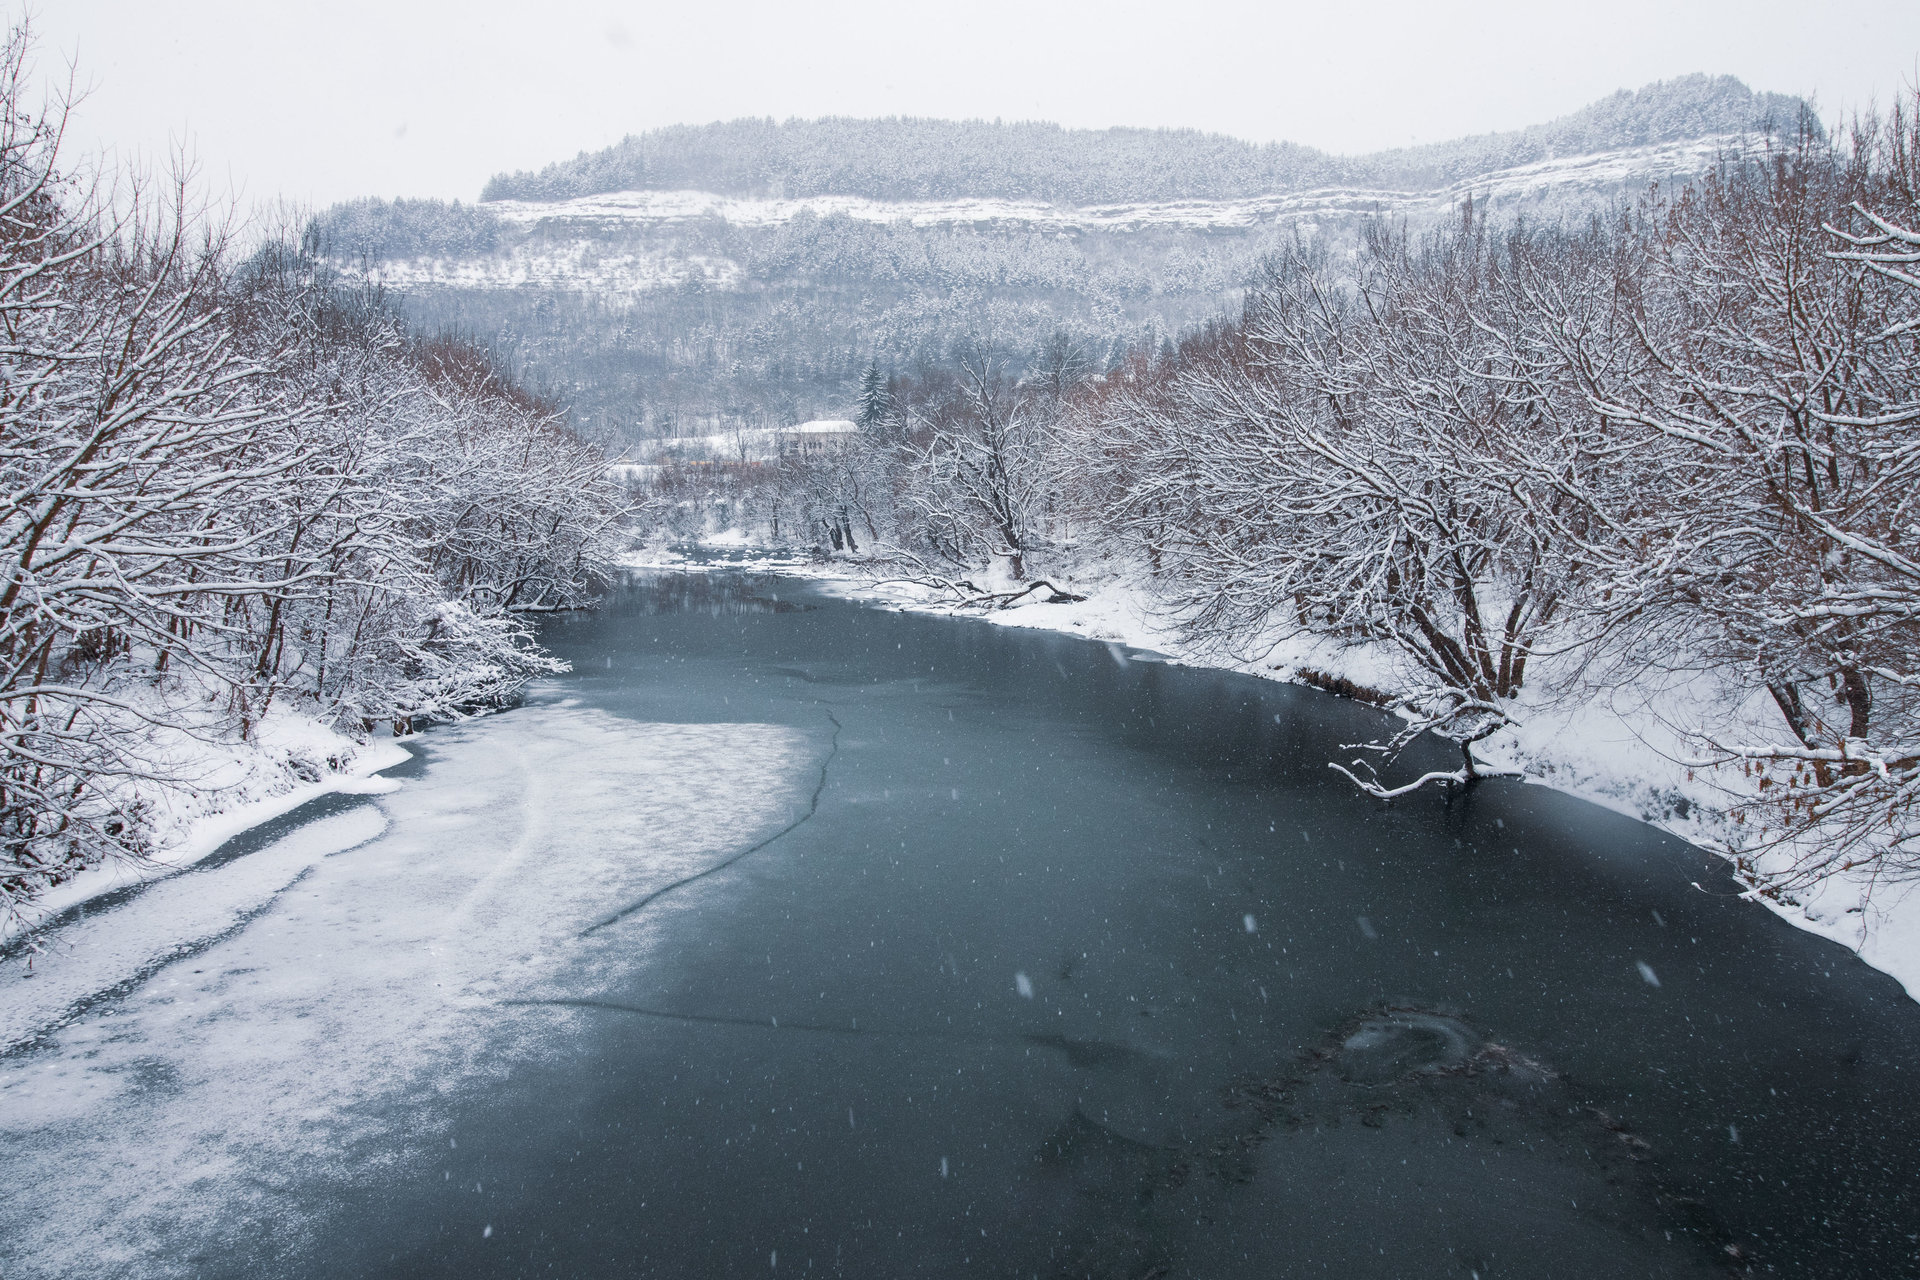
909, 158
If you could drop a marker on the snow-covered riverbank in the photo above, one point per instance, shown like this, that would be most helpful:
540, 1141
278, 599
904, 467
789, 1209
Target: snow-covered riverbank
224, 788
1621, 749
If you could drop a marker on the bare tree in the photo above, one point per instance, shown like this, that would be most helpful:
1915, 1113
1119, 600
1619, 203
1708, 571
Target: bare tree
1759, 375
135, 435
980, 479
1347, 462
222, 487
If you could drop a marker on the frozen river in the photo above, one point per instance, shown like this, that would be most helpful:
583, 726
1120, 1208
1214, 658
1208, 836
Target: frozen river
786, 937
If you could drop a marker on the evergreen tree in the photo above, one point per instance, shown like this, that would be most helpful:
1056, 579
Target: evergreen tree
876, 399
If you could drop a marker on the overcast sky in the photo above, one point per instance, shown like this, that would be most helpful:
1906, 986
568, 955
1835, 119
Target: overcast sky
320, 102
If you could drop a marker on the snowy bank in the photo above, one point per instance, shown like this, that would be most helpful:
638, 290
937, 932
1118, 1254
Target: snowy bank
229, 787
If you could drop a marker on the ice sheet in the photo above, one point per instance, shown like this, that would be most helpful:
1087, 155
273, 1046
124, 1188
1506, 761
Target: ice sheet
354, 985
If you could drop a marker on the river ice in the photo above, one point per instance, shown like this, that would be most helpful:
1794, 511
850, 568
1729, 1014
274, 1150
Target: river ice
303, 1016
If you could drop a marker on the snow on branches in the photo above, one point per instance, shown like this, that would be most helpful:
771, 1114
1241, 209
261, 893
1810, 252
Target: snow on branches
1369, 455
1685, 437
1763, 371
223, 485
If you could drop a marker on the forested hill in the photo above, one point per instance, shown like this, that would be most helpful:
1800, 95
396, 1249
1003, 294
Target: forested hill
915, 159
705, 277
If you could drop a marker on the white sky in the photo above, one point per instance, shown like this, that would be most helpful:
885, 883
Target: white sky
325, 101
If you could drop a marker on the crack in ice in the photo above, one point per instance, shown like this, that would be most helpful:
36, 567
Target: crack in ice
1079, 1053
813, 807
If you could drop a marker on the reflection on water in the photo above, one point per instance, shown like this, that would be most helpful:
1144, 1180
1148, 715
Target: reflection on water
713, 594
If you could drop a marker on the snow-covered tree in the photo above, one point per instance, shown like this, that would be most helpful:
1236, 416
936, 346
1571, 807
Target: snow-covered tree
874, 412
1367, 455
981, 473
1680, 438
1768, 389
226, 486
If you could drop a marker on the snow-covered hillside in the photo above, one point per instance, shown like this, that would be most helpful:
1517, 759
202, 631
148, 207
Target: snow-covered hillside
1602, 171
626, 242
748, 271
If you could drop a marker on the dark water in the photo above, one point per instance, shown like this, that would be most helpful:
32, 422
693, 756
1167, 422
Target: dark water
1071, 963
1274, 1028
